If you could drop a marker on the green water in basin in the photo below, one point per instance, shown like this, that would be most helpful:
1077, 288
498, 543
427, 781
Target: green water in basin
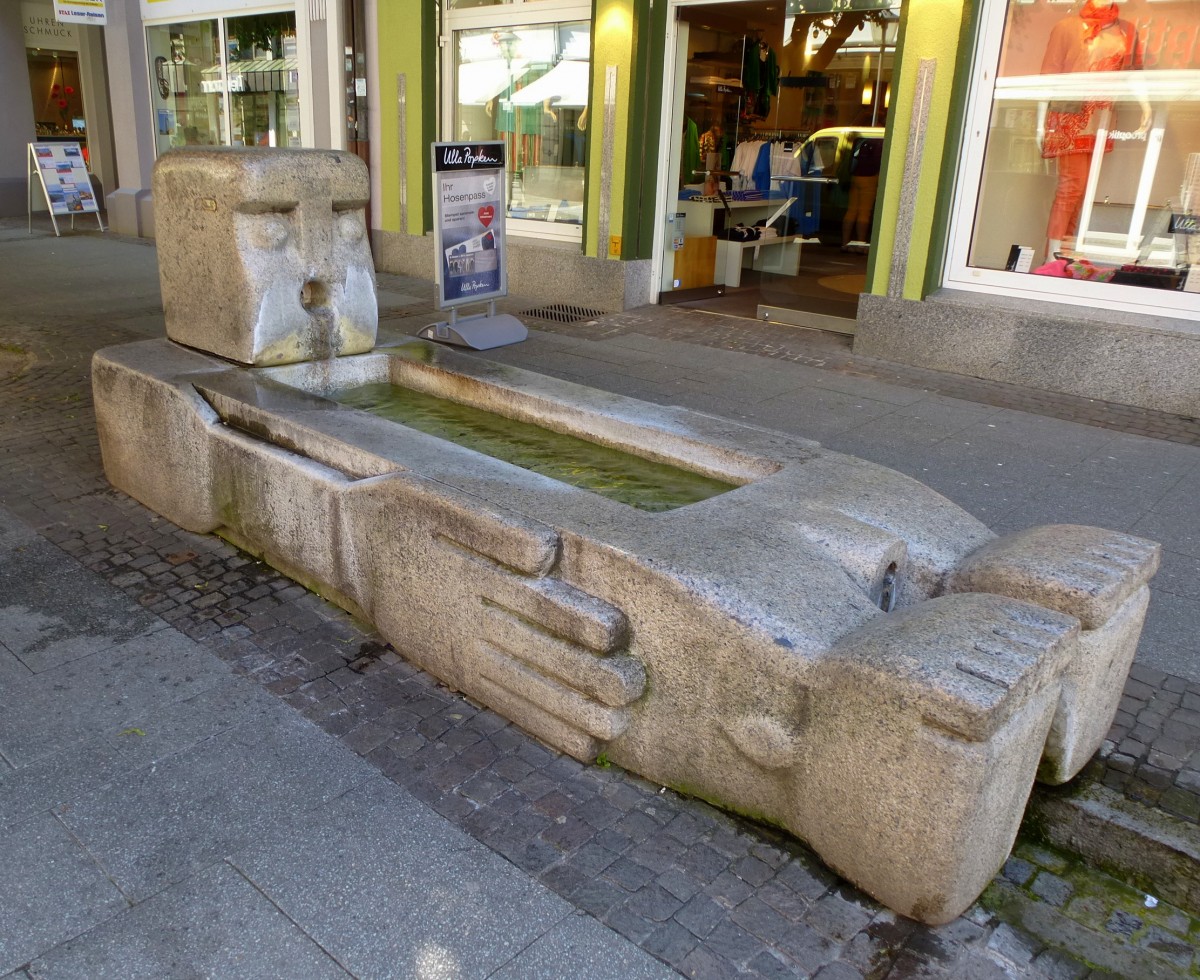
609, 472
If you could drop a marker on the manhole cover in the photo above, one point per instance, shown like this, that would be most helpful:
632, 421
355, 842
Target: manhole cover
561, 313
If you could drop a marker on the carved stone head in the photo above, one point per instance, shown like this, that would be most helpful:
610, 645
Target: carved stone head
263, 254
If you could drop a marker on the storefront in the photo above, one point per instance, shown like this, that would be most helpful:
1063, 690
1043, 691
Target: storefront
564, 84
776, 117
1057, 248
223, 73
999, 188
61, 68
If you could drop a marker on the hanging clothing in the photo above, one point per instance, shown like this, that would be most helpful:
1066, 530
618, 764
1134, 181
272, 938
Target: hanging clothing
690, 161
760, 78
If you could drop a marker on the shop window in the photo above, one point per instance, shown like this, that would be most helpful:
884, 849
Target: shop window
57, 96
230, 82
527, 84
1085, 149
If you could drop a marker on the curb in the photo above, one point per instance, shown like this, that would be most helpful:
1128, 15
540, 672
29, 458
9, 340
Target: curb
1143, 847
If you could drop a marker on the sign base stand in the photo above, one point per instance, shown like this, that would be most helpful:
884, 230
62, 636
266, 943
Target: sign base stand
480, 331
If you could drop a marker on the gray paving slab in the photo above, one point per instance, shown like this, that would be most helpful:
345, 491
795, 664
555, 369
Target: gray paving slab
1171, 619
1180, 661
579, 946
1132, 458
12, 668
216, 924
1039, 435
14, 532
1179, 531
817, 413
52, 610
1178, 574
160, 824
101, 695
860, 387
52, 891
390, 889
160, 730
1069, 500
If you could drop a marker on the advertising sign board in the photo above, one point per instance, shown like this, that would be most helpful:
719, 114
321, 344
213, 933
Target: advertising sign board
468, 225
62, 174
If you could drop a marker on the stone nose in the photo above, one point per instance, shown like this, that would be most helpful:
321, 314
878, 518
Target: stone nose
316, 219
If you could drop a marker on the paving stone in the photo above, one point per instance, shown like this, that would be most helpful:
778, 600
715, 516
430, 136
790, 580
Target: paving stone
1017, 870
703, 964
729, 890
837, 918
761, 920
733, 943
753, 871
1016, 947
112, 690
1054, 965
627, 874
654, 903
598, 897
838, 970
53, 890
700, 915
420, 888
1052, 888
579, 947
215, 924
806, 878
157, 826
705, 863
808, 948
1121, 923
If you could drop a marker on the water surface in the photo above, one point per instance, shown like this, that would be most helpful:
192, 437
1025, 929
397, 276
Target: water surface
611, 473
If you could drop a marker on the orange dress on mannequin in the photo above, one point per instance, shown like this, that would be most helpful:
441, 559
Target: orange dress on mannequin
1095, 39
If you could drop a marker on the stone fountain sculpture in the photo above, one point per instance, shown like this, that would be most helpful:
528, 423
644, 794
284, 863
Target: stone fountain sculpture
830, 646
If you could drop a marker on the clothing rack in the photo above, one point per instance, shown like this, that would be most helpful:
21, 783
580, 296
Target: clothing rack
772, 133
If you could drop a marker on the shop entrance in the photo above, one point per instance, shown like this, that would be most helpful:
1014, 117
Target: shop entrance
778, 117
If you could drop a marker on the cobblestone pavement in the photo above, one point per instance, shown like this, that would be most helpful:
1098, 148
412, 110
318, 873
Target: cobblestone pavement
710, 894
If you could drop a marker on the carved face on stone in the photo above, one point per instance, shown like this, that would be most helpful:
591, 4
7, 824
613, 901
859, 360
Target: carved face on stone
263, 253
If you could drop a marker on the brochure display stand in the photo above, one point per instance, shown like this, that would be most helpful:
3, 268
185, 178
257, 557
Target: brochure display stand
60, 171
469, 245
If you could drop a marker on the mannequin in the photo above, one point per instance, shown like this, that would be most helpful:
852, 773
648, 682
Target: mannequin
1092, 39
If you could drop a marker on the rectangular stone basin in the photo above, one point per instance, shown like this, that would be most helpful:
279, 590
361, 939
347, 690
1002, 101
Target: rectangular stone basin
827, 644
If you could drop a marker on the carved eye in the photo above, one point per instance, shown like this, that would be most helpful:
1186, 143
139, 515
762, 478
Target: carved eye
270, 231
350, 226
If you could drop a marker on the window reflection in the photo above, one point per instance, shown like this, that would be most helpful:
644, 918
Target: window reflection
528, 86
232, 82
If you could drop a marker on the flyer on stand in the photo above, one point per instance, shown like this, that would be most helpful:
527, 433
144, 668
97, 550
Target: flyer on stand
469, 186
64, 177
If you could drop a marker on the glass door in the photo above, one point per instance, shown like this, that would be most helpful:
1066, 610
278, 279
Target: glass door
780, 113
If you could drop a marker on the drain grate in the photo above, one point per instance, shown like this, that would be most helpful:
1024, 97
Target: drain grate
561, 313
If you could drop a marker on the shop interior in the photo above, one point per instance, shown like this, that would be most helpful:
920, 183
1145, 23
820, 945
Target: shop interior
57, 97
781, 129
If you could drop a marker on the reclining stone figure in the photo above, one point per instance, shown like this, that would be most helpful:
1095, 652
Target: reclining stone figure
831, 646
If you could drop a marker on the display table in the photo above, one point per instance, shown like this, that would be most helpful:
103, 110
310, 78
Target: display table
780, 254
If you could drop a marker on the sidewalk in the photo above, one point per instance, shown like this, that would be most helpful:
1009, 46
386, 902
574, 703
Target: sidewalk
206, 770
